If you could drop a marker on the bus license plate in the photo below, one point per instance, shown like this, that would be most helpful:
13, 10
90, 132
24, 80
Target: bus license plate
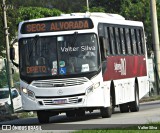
60, 101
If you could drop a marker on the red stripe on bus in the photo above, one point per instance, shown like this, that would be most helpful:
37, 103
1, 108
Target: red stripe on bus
121, 67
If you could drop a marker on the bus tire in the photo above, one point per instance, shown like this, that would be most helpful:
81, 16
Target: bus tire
124, 108
106, 112
134, 106
43, 117
71, 113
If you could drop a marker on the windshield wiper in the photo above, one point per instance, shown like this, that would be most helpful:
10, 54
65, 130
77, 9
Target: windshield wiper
74, 39
36, 38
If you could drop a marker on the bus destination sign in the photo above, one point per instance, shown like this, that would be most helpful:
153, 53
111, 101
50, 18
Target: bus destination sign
56, 25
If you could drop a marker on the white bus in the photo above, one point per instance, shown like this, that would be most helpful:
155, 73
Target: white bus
82, 62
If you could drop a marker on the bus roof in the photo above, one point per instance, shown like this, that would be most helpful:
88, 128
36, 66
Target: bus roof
96, 17
92, 20
96, 14
81, 15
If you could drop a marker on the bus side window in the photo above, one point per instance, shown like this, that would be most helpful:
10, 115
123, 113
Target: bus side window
102, 48
117, 38
107, 42
122, 41
128, 41
133, 41
103, 40
138, 42
142, 40
112, 40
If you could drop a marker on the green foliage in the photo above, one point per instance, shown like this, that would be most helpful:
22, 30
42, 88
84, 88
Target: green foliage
97, 9
117, 130
3, 79
27, 3
26, 115
11, 23
68, 6
109, 6
16, 77
139, 11
93, 9
26, 13
15, 16
11, 19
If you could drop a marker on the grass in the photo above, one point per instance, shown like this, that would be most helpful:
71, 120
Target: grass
14, 116
152, 98
118, 131
146, 128
26, 114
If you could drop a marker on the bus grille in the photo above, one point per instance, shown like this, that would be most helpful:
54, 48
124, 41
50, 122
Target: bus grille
70, 100
59, 82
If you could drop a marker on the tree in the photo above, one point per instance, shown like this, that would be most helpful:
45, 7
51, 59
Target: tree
15, 16
27, 3
3, 79
11, 17
109, 6
26, 13
28, 9
93, 9
68, 6
140, 11
158, 14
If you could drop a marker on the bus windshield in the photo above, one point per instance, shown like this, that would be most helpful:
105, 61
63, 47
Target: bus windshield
58, 55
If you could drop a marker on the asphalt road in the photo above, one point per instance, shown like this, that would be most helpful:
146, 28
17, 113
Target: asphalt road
149, 112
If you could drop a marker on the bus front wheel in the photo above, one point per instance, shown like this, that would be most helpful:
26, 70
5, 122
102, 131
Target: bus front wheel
43, 117
106, 112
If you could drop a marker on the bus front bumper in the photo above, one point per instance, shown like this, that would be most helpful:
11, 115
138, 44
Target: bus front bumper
84, 100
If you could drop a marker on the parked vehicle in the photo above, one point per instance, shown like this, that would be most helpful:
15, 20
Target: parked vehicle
5, 102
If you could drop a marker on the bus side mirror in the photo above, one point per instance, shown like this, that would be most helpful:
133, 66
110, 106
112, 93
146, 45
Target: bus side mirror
12, 53
12, 56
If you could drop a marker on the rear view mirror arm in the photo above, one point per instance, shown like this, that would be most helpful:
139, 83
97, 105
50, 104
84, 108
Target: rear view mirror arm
15, 64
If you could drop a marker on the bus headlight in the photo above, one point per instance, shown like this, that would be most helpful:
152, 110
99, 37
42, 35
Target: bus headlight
29, 93
24, 90
89, 89
96, 85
